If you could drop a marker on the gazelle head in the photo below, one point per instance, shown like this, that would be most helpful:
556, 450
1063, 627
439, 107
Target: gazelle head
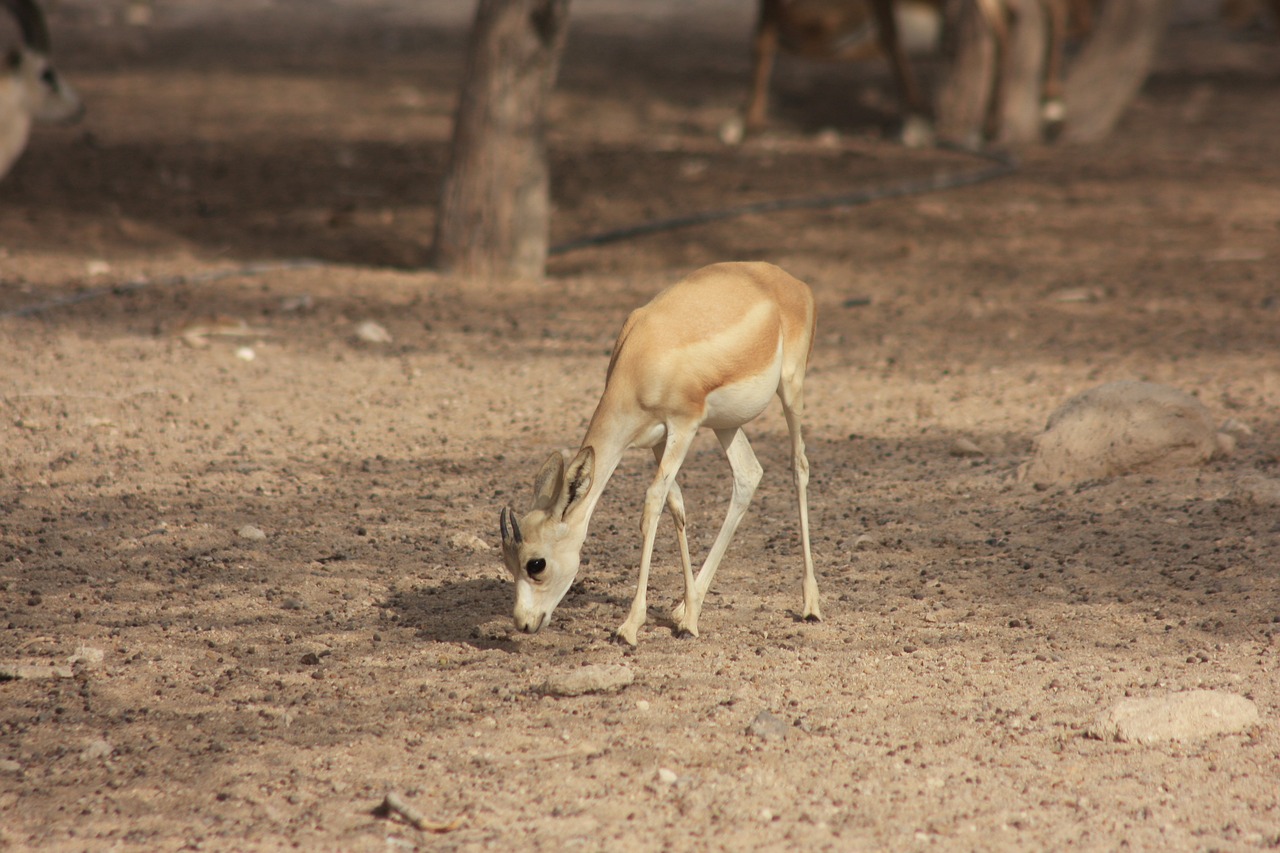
542, 549
47, 96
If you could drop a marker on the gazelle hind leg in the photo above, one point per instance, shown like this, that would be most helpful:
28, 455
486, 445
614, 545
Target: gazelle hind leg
746, 477
677, 445
793, 410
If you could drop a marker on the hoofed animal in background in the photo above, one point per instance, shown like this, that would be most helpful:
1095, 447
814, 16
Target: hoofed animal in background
896, 30
711, 350
842, 30
30, 87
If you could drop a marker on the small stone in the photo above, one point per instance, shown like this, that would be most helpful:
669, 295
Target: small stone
865, 542
372, 333
246, 354
1193, 715
468, 542
97, 749
768, 726
86, 656
966, 448
251, 533
597, 678
667, 777
733, 130
642, 705
1255, 489
300, 302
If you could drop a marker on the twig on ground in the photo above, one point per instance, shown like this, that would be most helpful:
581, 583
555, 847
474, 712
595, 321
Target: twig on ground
393, 803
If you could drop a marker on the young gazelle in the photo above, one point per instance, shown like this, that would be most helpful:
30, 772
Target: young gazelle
711, 351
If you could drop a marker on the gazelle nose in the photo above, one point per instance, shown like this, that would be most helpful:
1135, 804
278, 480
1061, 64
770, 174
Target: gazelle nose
530, 626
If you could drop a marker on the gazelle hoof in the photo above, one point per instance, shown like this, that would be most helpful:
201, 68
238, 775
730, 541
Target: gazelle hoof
683, 630
625, 636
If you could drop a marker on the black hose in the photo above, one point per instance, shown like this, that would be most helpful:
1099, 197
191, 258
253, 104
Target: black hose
1002, 164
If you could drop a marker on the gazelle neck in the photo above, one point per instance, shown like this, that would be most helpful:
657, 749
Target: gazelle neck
609, 435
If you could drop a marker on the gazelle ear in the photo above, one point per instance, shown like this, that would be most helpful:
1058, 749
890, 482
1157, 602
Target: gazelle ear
548, 484
577, 481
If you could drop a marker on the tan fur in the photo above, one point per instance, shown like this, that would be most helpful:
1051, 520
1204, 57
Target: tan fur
711, 350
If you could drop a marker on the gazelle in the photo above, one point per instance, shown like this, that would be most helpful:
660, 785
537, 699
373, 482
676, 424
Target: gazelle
897, 29
845, 30
30, 87
711, 351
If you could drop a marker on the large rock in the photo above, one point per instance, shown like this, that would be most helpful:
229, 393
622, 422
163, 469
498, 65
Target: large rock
1188, 716
1124, 428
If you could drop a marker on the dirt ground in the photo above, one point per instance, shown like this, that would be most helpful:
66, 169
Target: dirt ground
237, 690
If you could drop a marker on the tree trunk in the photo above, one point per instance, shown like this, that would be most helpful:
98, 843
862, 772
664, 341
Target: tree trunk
963, 95
494, 208
1113, 66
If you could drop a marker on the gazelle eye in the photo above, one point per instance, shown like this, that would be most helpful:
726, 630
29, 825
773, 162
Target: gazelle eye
535, 567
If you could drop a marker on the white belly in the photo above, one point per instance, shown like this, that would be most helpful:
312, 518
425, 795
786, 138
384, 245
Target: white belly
737, 403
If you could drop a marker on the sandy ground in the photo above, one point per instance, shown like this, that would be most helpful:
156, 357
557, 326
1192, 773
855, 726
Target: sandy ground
242, 691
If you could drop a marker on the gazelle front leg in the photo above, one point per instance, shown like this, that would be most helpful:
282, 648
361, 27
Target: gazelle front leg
675, 505
746, 477
677, 445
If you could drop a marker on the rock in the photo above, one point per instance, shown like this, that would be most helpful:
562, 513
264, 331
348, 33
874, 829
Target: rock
597, 678
87, 656
1254, 489
865, 542
966, 447
1193, 715
16, 671
468, 542
733, 130
254, 534
97, 749
1123, 428
666, 777
768, 726
372, 333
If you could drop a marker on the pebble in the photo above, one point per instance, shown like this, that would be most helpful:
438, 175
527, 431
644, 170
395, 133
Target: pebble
468, 542
252, 533
768, 726
865, 542
1256, 489
97, 749
1193, 715
87, 656
966, 448
372, 333
597, 678
666, 777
